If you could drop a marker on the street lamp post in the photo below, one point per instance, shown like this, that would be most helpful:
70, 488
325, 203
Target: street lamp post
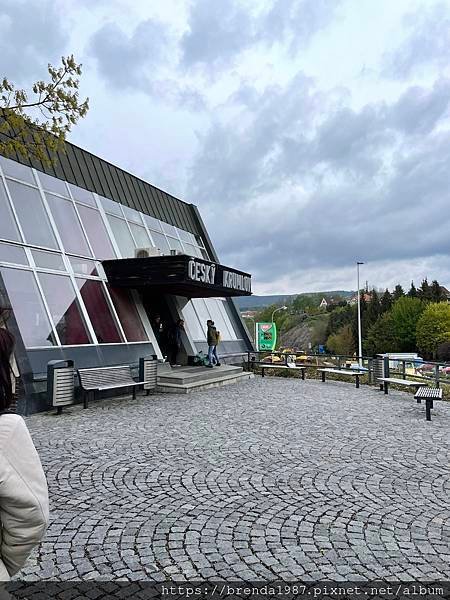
359, 317
277, 309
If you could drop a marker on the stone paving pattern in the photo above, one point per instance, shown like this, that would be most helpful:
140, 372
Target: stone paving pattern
271, 479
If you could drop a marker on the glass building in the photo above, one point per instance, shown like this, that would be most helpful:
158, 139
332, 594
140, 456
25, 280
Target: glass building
90, 255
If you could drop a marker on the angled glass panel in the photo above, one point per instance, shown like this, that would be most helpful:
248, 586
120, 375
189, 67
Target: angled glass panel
160, 242
8, 227
12, 168
69, 227
186, 236
13, 254
48, 260
122, 236
169, 229
111, 207
96, 232
32, 215
140, 235
202, 311
128, 314
28, 307
82, 195
82, 266
132, 215
192, 250
64, 308
98, 310
153, 223
53, 184
174, 244
220, 319
195, 328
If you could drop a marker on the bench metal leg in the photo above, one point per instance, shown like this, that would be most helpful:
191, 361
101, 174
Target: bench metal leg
428, 407
419, 400
323, 375
262, 372
386, 387
357, 381
303, 374
381, 387
85, 399
134, 392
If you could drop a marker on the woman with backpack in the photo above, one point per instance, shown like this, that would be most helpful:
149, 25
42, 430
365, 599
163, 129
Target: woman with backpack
23, 487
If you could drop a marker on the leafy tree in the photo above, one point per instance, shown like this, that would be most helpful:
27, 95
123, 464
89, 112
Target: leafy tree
412, 291
339, 317
443, 352
433, 327
406, 312
373, 309
342, 342
386, 301
436, 292
381, 336
425, 291
398, 292
36, 126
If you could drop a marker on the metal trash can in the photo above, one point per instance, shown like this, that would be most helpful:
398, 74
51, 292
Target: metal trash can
380, 368
60, 383
148, 371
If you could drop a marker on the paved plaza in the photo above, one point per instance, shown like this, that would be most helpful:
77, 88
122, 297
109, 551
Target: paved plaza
271, 479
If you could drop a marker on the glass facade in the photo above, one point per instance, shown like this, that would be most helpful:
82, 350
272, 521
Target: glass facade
53, 236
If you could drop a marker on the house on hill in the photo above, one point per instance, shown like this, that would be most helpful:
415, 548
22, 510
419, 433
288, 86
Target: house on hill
323, 304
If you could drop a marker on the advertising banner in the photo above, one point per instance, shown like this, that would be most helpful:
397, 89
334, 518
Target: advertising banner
266, 336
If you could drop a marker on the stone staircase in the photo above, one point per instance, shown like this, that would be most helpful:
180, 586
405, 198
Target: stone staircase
182, 380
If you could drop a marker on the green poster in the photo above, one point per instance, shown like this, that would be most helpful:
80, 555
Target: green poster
266, 336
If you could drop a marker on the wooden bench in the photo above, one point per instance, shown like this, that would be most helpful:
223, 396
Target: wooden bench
405, 382
428, 394
106, 378
348, 372
265, 366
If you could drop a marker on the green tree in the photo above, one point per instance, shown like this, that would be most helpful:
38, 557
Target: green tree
412, 291
398, 292
386, 301
424, 291
342, 342
436, 292
406, 312
35, 125
341, 316
433, 328
373, 309
381, 336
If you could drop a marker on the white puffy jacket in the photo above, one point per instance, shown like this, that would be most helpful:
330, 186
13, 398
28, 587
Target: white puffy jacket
23, 496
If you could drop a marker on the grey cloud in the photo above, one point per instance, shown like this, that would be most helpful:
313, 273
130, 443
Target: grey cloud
216, 38
304, 186
125, 60
31, 35
427, 43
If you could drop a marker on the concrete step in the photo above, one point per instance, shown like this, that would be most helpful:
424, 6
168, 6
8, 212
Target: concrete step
204, 384
187, 375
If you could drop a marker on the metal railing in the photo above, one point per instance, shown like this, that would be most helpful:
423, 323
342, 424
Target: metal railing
430, 372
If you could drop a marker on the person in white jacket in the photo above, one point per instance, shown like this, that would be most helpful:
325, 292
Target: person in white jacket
23, 487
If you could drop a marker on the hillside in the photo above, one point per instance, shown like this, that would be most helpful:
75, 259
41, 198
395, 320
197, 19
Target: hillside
260, 302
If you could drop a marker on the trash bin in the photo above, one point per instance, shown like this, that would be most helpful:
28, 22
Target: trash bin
60, 383
148, 371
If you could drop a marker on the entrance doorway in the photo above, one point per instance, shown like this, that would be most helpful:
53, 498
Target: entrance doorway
163, 318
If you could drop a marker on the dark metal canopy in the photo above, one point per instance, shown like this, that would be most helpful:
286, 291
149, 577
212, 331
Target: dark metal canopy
180, 275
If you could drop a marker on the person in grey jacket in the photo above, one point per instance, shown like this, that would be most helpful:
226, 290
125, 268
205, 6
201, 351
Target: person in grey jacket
24, 511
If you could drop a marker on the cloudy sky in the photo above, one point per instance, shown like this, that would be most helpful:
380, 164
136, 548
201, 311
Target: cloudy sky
310, 133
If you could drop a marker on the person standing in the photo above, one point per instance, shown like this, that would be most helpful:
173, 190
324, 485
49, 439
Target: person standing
215, 348
211, 339
24, 511
175, 342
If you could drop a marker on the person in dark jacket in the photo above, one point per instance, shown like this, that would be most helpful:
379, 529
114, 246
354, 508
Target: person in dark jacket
211, 339
175, 338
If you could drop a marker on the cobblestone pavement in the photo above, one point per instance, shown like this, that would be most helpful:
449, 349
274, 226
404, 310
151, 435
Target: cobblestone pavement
271, 479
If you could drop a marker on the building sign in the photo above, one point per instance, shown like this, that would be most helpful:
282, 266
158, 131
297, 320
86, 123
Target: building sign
212, 274
266, 336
